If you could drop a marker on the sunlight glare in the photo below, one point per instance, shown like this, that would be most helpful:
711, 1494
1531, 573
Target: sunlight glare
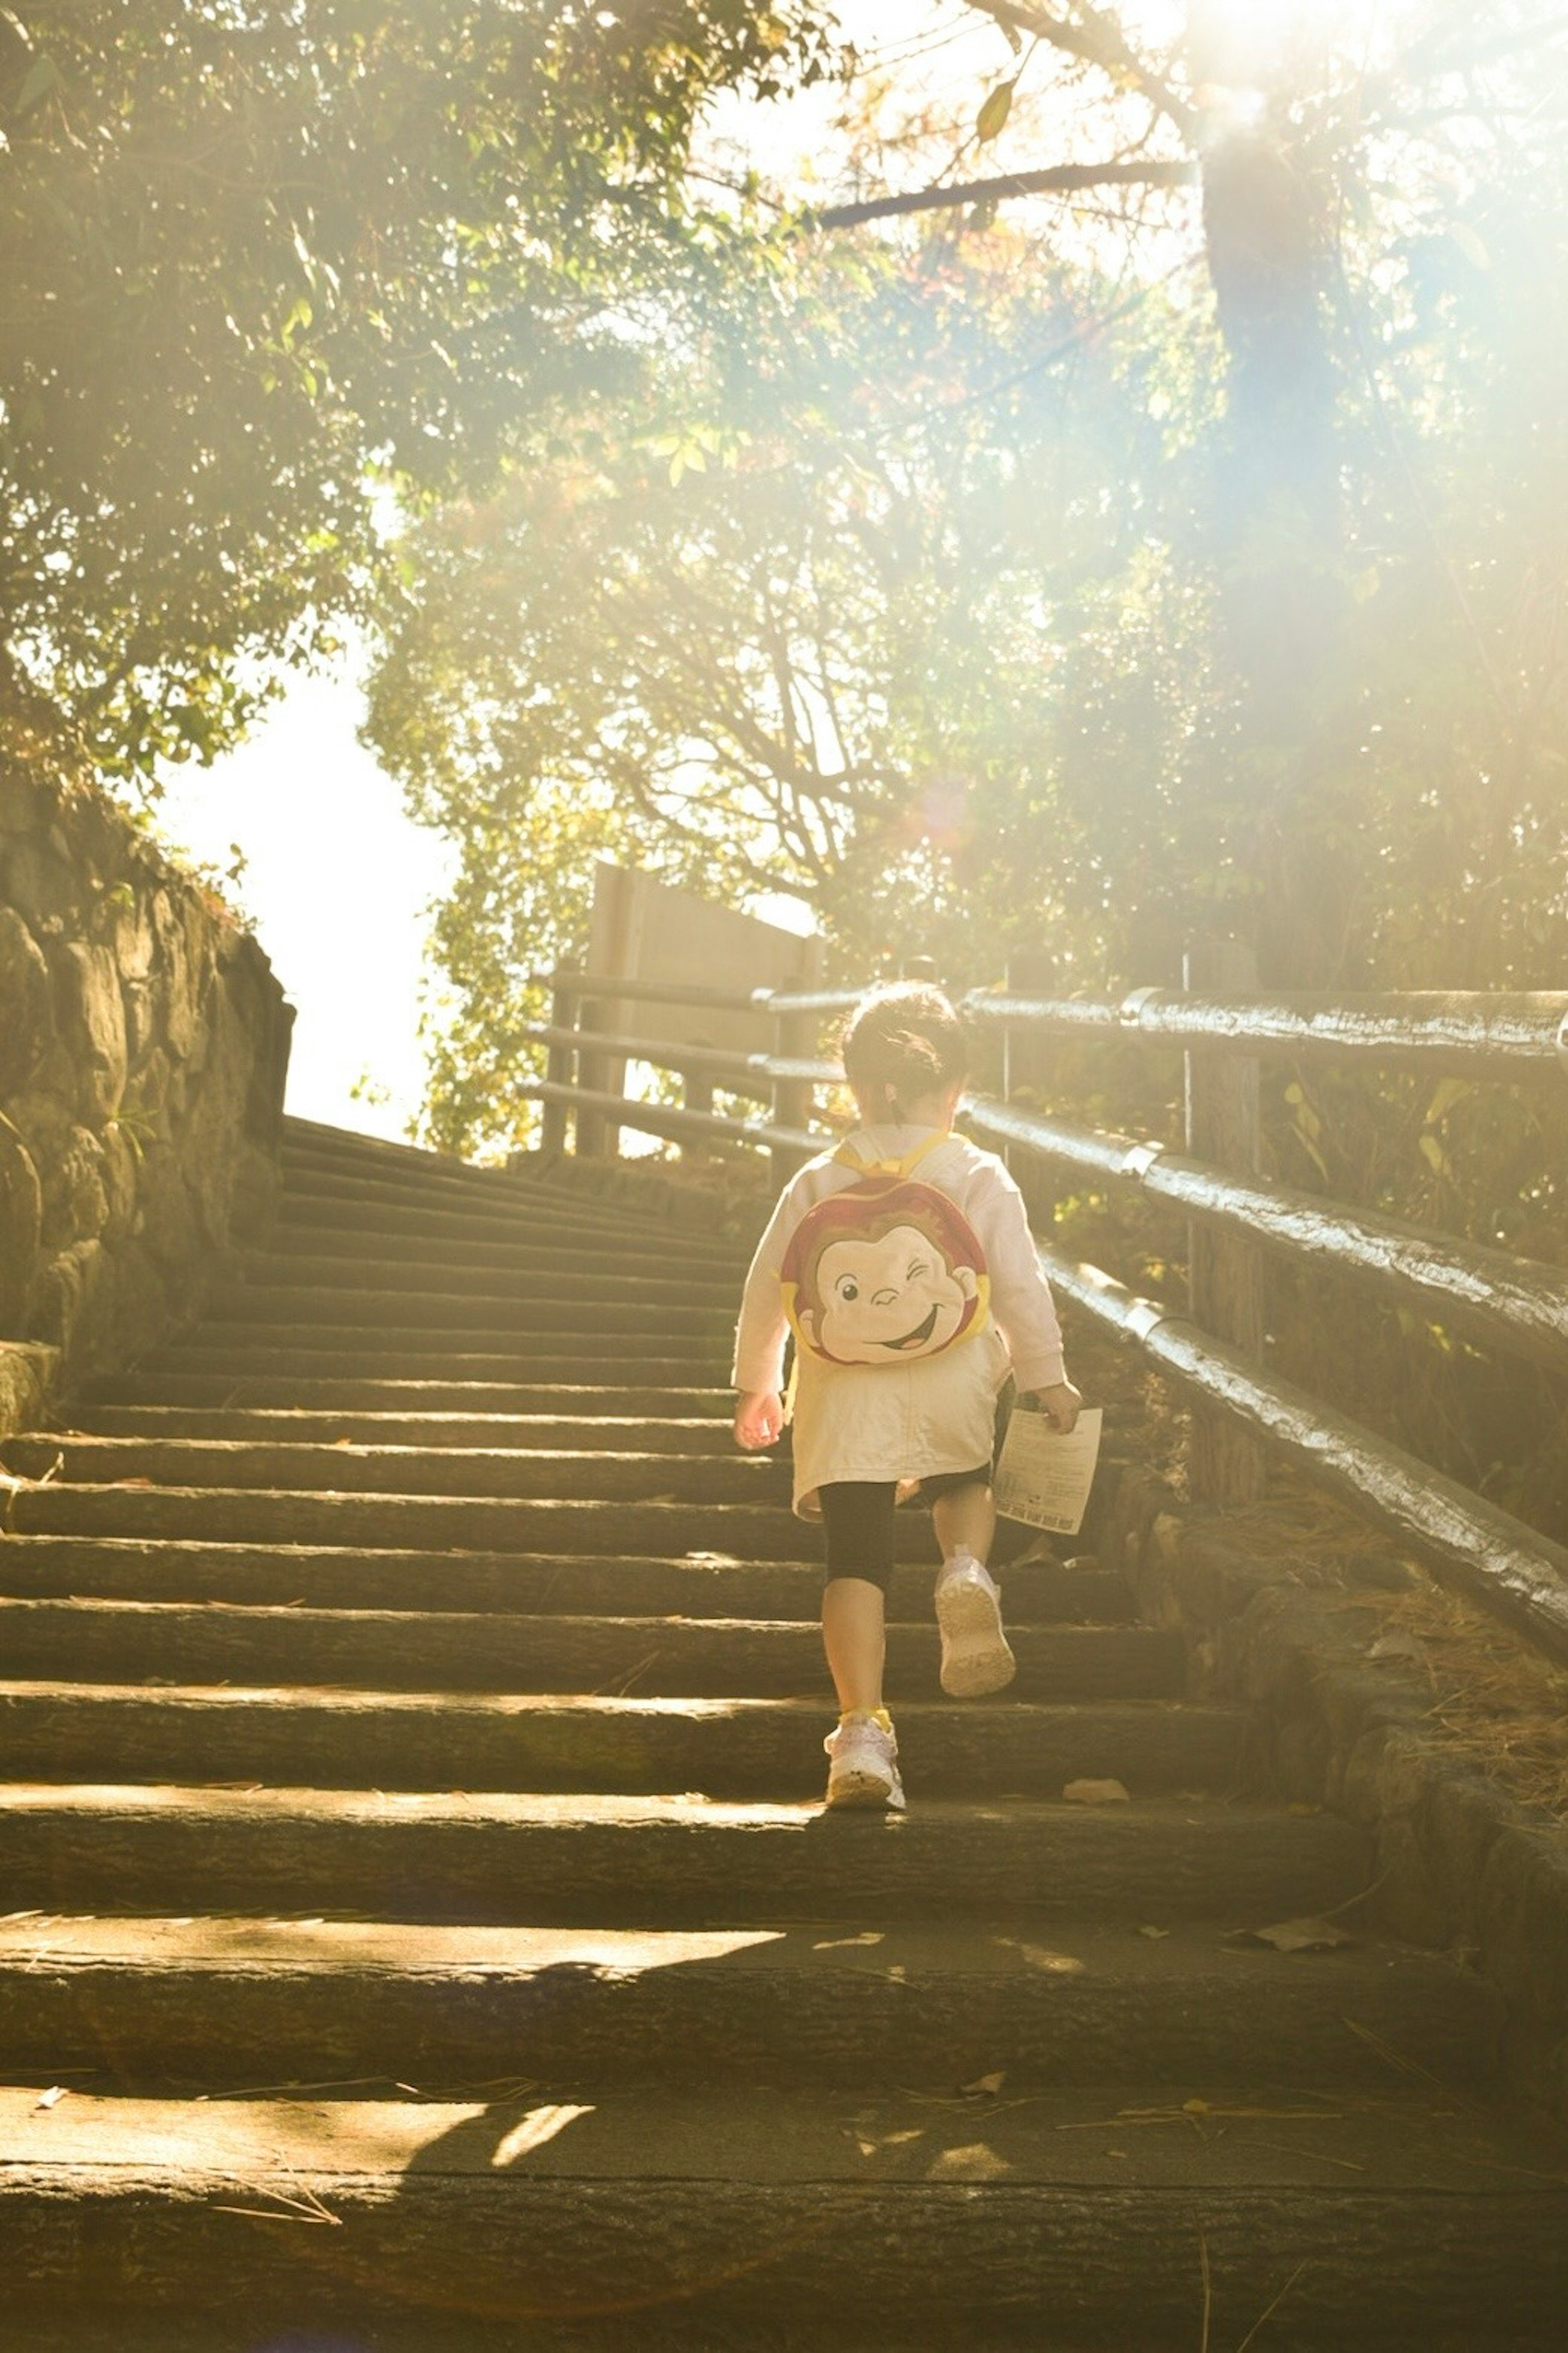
539, 2126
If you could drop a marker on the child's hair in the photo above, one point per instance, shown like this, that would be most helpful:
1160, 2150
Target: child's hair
901, 1043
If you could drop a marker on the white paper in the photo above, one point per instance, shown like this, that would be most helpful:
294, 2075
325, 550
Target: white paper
1044, 1477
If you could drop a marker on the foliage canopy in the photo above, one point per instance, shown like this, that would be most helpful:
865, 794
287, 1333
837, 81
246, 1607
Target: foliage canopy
254, 253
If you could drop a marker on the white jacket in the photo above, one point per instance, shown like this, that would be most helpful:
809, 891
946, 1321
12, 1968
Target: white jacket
904, 1420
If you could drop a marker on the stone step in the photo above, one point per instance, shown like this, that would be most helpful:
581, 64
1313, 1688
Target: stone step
566, 1306
380, 1222
548, 1270
583, 1860
571, 1188
372, 1396
385, 1650
120, 1568
229, 2003
577, 1358
298, 1468
781, 2219
345, 1739
348, 1252
315, 1185
427, 1522
365, 1163
294, 1426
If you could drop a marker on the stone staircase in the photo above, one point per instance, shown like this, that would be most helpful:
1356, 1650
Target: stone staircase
421, 1905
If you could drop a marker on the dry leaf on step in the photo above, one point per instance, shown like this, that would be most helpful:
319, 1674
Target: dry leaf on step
1297, 1937
1397, 1644
986, 2087
1096, 1793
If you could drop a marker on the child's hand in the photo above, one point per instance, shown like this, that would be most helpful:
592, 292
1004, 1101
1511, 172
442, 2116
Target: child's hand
759, 1419
1061, 1405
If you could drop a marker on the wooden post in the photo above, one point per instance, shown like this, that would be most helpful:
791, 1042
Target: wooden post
696, 1094
1024, 1058
560, 1061
794, 1034
1225, 1270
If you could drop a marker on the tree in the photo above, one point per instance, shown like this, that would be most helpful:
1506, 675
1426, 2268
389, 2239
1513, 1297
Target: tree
257, 255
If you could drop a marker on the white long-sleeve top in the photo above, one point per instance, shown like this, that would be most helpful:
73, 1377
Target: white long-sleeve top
937, 1413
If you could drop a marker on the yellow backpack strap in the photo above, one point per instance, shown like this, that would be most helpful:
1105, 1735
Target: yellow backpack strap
847, 1157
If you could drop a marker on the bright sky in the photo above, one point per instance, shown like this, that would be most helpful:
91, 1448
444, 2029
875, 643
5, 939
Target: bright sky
336, 883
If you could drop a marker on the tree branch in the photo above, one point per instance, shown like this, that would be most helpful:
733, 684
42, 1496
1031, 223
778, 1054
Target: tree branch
1059, 179
1098, 43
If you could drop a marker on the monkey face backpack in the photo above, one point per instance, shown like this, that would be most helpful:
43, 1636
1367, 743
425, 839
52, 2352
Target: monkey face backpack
887, 1271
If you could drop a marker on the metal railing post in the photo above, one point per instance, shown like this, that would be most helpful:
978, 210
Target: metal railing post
1225, 1271
560, 1062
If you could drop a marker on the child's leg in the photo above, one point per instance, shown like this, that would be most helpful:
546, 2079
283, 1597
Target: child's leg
975, 1656
965, 1519
852, 1611
858, 1518
858, 1521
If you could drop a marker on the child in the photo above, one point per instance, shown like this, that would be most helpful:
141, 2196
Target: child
904, 1263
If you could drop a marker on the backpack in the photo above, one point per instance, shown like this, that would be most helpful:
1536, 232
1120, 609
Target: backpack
887, 1271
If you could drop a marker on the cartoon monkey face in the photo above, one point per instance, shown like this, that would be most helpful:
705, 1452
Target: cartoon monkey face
882, 1298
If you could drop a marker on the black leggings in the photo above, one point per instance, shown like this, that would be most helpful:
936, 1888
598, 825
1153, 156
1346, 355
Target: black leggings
858, 1520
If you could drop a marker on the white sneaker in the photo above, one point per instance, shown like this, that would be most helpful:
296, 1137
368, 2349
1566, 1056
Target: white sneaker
865, 1767
974, 1654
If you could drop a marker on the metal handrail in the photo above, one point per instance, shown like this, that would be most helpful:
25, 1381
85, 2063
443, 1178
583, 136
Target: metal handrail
1460, 1033
1489, 1555
605, 988
665, 1054
665, 1119
1489, 1293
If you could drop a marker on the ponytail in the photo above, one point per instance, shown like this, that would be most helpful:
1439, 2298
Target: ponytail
900, 1045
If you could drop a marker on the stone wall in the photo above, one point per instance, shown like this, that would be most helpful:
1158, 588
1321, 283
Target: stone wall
143, 1046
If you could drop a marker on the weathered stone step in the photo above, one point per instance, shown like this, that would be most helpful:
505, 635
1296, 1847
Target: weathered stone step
396, 1351
411, 1396
234, 2002
380, 1223
425, 1523
731, 1747
315, 1186
473, 1470
346, 1250
1382, 2223
564, 1307
548, 1432
549, 1271
366, 1162
582, 1860
128, 1641
342, 1578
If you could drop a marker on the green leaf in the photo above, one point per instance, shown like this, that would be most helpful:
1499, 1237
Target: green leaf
992, 119
1447, 1092
39, 81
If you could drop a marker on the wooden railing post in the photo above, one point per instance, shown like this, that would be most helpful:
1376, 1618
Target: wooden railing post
1024, 1063
696, 1094
794, 1035
1225, 1270
560, 1061
595, 1138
